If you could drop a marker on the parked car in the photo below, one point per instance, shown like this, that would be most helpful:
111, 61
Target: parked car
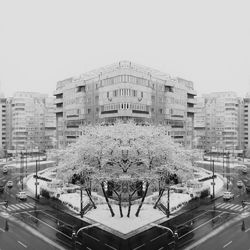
228, 196
9, 184
240, 184
244, 169
1, 187
5, 169
248, 186
21, 196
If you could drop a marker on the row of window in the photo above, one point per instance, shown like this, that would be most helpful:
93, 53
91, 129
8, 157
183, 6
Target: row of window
117, 106
126, 78
124, 92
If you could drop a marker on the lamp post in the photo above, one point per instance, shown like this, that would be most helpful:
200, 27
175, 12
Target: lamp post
75, 233
21, 169
213, 180
174, 233
223, 162
36, 183
228, 169
168, 207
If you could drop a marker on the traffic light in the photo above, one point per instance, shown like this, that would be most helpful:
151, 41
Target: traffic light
6, 204
243, 203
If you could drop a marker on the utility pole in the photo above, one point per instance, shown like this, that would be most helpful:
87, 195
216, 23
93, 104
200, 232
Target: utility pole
81, 208
36, 181
213, 179
26, 162
21, 170
228, 169
223, 162
168, 205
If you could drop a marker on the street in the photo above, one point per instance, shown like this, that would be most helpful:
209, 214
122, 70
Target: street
57, 225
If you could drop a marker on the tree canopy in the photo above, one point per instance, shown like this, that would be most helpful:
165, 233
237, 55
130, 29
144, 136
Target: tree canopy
110, 152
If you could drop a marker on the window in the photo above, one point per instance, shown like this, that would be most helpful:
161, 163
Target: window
89, 110
107, 94
141, 94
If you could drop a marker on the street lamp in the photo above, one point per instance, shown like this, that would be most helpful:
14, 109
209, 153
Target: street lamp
75, 233
174, 233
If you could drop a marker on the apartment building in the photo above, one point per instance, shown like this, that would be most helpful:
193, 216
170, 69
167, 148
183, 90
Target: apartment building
200, 123
30, 121
2, 126
124, 91
245, 125
221, 117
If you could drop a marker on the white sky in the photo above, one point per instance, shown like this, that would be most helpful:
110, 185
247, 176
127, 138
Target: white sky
207, 42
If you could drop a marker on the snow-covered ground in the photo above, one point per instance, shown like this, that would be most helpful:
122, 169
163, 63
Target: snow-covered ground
124, 225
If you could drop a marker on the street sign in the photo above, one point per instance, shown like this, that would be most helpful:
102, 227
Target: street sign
212, 183
36, 183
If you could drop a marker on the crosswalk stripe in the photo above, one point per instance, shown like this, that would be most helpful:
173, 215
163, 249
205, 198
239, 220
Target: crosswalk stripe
10, 209
239, 208
31, 205
229, 206
220, 204
15, 207
234, 207
21, 205
224, 205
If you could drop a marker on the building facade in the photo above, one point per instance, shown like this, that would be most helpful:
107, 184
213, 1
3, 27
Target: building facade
30, 118
219, 121
2, 126
245, 125
124, 91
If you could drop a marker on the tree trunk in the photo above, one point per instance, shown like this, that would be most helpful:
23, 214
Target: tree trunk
129, 202
90, 198
143, 198
107, 200
160, 195
120, 202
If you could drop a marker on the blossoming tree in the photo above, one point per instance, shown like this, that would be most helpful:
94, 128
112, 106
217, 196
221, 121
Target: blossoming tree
125, 158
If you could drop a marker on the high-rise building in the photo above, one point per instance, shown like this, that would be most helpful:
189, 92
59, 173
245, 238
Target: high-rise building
2, 126
30, 121
124, 91
221, 115
245, 125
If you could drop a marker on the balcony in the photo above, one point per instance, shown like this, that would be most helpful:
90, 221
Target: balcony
59, 110
58, 100
190, 110
191, 100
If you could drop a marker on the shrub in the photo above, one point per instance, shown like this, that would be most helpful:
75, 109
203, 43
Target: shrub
45, 193
204, 193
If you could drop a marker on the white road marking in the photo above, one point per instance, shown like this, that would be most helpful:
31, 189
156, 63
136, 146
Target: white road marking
234, 207
201, 225
247, 230
228, 206
22, 244
110, 246
2, 230
30, 205
227, 244
221, 204
16, 207
137, 247
21, 206
239, 208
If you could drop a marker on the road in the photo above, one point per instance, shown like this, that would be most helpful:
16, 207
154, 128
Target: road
13, 236
56, 225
